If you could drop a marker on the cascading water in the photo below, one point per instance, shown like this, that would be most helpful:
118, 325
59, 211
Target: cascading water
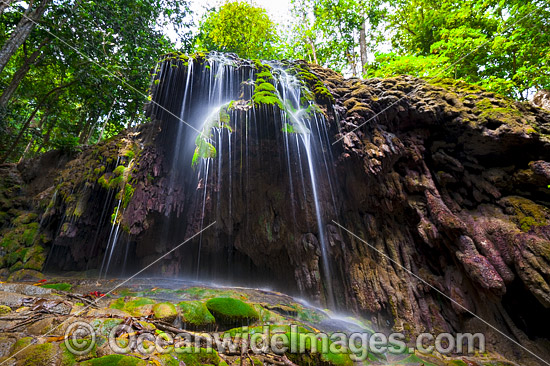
227, 123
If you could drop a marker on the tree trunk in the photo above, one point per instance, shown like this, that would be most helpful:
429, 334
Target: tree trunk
22, 31
30, 119
86, 130
363, 48
352, 62
106, 121
313, 50
29, 145
19, 76
46, 138
33, 59
4, 4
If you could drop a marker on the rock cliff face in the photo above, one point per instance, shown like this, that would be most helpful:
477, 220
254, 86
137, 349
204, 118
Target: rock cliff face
449, 182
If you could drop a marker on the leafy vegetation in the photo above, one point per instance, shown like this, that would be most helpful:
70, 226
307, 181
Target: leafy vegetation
503, 46
240, 28
82, 74
74, 72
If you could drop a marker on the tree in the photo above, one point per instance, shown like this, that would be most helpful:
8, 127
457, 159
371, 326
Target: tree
83, 74
501, 45
335, 32
29, 18
240, 28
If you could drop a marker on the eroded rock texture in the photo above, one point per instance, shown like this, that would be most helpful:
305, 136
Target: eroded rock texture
451, 183
448, 182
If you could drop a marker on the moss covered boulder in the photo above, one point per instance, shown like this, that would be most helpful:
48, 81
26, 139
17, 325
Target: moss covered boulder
165, 311
136, 306
193, 357
38, 355
195, 314
25, 275
227, 310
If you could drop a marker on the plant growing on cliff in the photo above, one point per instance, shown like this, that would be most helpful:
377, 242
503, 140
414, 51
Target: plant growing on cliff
204, 149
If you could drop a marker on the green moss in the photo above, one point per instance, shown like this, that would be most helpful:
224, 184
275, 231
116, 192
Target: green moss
227, 310
115, 360
58, 286
198, 356
127, 195
4, 310
265, 92
527, 213
119, 170
299, 336
198, 293
29, 234
265, 75
38, 355
457, 363
36, 261
25, 218
24, 275
131, 305
195, 313
166, 311
266, 87
67, 358
103, 326
22, 343
267, 98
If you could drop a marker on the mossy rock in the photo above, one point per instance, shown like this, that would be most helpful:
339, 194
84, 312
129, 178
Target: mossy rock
527, 213
191, 356
4, 310
25, 275
25, 218
22, 343
227, 310
311, 355
104, 326
268, 316
200, 293
195, 314
137, 306
165, 311
114, 360
38, 355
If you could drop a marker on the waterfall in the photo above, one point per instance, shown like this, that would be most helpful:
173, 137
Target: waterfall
225, 119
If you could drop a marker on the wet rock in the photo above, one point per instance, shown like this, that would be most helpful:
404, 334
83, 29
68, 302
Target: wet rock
4, 310
24, 289
25, 275
195, 314
165, 311
231, 311
11, 299
6, 345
